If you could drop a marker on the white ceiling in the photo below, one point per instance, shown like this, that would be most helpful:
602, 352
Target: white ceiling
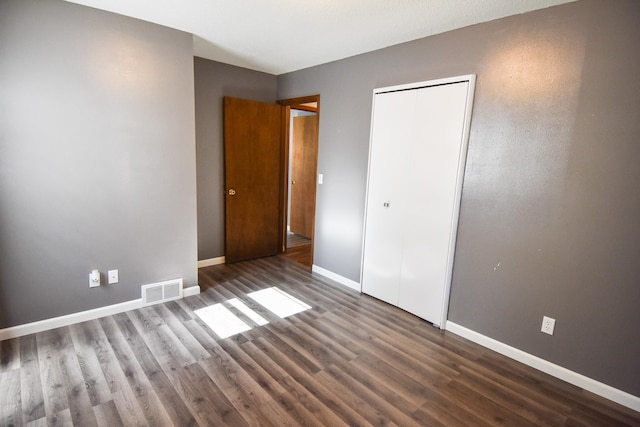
279, 36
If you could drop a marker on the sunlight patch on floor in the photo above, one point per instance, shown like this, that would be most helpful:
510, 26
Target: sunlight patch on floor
278, 302
223, 322
226, 323
259, 320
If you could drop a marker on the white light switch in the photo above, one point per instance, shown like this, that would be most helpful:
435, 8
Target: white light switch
113, 276
320, 178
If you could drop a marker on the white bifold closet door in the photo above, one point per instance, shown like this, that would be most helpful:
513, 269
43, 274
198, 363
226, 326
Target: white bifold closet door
416, 161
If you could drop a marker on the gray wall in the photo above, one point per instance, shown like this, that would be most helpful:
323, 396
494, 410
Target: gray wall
213, 81
97, 158
550, 204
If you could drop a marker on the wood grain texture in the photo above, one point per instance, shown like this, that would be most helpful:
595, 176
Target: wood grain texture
304, 156
350, 360
31, 386
300, 254
253, 156
10, 400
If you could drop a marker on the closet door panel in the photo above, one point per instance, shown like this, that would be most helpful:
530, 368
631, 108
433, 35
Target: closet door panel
432, 181
392, 131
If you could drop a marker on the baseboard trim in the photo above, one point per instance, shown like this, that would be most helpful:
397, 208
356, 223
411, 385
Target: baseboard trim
82, 316
586, 383
191, 290
211, 261
336, 277
69, 319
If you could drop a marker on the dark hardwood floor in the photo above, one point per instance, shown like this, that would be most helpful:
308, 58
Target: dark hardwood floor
294, 240
350, 360
299, 249
300, 254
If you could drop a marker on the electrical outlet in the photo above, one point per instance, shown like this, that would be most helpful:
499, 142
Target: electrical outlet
113, 276
94, 278
548, 324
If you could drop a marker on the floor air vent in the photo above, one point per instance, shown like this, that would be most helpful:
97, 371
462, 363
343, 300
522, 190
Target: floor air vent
161, 291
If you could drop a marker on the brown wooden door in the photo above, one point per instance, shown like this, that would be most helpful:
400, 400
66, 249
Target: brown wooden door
253, 176
303, 174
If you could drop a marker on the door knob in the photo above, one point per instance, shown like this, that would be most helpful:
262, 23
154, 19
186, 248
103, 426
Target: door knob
386, 204
232, 192
293, 182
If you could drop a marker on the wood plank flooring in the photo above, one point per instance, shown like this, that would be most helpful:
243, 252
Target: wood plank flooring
299, 249
294, 240
350, 360
300, 254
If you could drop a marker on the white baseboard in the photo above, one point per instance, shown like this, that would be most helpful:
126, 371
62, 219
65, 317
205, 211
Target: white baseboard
211, 261
586, 383
83, 316
69, 319
191, 290
336, 277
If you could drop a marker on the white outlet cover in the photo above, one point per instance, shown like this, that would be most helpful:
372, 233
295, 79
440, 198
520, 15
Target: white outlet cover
548, 324
113, 276
94, 279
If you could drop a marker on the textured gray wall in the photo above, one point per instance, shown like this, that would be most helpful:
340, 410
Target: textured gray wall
97, 158
550, 212
213, 81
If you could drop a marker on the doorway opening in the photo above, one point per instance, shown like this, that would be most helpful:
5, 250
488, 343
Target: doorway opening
301, 126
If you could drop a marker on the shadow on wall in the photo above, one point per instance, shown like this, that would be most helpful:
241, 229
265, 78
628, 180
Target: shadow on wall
4, 286
3, 310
